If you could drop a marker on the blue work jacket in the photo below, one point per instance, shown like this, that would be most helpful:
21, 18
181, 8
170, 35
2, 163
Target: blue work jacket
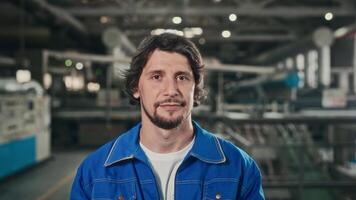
213, 169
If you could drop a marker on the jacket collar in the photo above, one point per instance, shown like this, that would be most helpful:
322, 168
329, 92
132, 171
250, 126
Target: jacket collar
206, 147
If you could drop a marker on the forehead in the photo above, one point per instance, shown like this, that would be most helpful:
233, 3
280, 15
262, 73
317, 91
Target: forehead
164, 60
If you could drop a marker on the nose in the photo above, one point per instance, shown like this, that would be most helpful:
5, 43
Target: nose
171, 88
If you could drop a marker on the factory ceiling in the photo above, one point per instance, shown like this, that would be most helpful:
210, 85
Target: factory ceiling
233, 31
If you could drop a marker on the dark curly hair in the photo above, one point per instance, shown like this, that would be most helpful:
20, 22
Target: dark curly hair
171, 43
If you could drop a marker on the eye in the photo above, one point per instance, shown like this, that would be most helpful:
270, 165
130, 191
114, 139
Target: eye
156, 77
182, 77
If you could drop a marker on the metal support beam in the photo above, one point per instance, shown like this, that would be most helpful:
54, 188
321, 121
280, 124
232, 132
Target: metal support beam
346, 3
248, 69
31, 32
87, 57
4, 60
321, 37
254, 38
61, 14
354, 65
285, 12
215, 37
220, 96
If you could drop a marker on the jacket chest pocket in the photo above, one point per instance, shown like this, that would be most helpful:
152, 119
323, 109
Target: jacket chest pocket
105, 189
220, 188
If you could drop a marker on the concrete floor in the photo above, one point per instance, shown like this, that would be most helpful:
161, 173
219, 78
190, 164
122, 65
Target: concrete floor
51, 179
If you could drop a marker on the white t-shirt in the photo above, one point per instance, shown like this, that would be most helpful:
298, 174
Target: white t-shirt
165, 166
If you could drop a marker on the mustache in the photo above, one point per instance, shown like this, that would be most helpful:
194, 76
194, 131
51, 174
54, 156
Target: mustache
180, 102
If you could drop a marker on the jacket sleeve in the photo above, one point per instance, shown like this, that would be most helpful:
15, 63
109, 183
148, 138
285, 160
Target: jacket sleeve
79, 189
252, 183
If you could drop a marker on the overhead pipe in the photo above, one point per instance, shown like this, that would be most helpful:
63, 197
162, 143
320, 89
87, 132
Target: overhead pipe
114, 38
216, 65
281, 80
321, 39
322, 36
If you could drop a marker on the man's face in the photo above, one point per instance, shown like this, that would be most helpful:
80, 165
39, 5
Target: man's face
166, 89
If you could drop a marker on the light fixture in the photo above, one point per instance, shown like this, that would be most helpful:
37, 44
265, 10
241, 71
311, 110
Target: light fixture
47, 80
74, 82
197, 30
173, 31
201, 41
79, 66
232, 17
68, 62
93, 87
328, 16
177, 20
23, 76
193, 31
188, 34
104, 19
157, 31
226, 34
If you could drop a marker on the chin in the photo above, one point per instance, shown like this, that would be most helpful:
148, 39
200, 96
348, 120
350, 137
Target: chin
172, 116
171, 119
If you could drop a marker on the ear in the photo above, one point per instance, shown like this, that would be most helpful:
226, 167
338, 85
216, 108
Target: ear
136, 94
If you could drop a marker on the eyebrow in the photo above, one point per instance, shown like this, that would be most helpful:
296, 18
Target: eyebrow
155, 72
186, 73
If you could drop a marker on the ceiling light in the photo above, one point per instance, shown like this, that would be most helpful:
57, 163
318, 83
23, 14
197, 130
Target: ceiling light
104, 19
193, 31
226, 33
79, 66
201, 41
93, 87
174, 31
23, 76
188, 34
177, 20
158, 31
74, 82
68, 62
232, 17
328, 16
197, 30
47, 80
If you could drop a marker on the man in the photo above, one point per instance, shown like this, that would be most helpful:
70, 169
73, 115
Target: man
167, 155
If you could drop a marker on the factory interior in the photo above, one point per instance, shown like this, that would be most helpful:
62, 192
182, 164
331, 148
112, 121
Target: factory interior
280, 76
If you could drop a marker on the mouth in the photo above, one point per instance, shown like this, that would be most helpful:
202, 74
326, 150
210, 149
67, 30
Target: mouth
171, 106
170, 103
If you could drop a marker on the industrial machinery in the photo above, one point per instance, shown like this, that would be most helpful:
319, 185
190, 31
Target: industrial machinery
24, 126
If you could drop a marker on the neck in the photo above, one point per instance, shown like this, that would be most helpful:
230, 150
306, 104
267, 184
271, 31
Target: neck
165, 141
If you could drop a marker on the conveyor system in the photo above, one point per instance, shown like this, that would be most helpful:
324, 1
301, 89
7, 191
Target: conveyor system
288, 155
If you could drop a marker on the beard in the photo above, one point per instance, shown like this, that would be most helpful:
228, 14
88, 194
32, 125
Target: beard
160, 121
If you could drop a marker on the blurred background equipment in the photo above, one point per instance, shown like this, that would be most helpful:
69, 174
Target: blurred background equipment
281, 77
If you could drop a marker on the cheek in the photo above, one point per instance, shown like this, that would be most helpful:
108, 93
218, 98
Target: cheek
147, 96
190, 94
